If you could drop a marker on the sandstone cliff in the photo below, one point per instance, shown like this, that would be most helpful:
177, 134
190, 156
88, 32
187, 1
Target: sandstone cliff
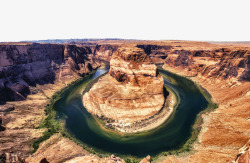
104, 51
132, 91
24, 65
158, 53
200, 58
221, 63
80, 59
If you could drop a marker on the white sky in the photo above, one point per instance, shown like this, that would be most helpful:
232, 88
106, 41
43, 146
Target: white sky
210, 20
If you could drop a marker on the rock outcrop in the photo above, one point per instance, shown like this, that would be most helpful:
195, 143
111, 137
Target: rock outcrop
219, 63
158, 53
200, 58
146, 159
80, 59
244, 154
105, 51
24, 65
131, 91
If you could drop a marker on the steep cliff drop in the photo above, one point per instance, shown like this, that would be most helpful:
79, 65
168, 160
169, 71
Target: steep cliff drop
23, 65
132, 91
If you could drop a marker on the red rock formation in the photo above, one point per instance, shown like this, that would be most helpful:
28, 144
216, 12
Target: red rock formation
105, 51
26, 65
146, 159
158, 53
244, 154
220, 63
132, 91
80, 59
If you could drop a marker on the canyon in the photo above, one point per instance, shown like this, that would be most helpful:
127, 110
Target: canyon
30, 73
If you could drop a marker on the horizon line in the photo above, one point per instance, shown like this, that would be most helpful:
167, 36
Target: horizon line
106, 39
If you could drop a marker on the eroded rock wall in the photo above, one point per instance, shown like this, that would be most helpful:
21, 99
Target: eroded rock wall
26, 65
80, 59
158, 53
208, 60
105, 51
220, 63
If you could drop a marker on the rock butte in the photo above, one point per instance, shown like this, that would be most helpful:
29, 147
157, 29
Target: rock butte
131, 91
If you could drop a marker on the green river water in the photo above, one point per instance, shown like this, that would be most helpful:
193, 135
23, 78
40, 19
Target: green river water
169, 136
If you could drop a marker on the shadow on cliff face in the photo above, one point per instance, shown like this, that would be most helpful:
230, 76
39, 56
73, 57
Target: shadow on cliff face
158, 53
246, 74
15, 80
219, 63
2, 128
22, 66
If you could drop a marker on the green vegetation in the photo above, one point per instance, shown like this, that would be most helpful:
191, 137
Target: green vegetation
53, 126
50, 123
131, 160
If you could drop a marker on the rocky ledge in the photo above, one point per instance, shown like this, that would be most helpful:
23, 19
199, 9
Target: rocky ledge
132, 91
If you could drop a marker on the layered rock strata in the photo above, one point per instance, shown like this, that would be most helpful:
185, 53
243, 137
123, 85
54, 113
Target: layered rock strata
104, 52
200, 58
220, 63
131, 91
158, 53
25, 65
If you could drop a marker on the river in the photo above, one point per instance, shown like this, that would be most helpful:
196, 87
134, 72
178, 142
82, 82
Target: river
171, 135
